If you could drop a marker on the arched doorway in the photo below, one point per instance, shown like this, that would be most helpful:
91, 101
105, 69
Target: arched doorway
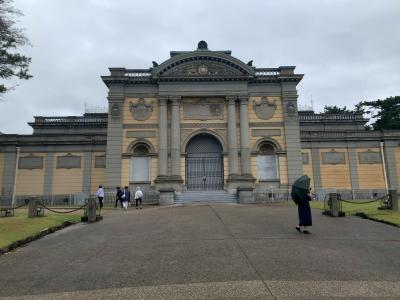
204, 163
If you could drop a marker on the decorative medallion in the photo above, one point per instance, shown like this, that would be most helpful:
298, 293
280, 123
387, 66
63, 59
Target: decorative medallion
203, 70
115, 111
141, 111
264, 108
291, 109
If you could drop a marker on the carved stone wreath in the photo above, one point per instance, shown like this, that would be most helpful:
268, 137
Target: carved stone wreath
264, 108
141, 111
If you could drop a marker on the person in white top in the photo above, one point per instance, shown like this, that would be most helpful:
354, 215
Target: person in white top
100, 195
138, 197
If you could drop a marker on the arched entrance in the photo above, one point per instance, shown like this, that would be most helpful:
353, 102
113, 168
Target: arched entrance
204, 163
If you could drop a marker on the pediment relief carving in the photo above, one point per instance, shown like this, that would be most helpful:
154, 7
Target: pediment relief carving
203, 69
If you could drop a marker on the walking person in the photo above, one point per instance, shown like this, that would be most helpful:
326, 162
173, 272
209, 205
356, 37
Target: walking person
301, 196
118, 197
100, 196
126, 198
138, 197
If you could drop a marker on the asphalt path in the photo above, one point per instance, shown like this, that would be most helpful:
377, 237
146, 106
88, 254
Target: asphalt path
207, 251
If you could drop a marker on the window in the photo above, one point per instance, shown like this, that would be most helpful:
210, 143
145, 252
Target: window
140, 164
267, 162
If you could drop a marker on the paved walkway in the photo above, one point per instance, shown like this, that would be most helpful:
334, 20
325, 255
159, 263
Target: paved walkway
208, 251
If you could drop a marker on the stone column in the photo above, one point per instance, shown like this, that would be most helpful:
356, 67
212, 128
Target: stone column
175, 137
232, 140
244, 138
162, 138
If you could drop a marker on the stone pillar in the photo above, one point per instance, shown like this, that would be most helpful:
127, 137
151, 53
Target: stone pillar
245, 158
91, 210
175, 137
391, 163
394, 200
32, 207
232, 140
162, 138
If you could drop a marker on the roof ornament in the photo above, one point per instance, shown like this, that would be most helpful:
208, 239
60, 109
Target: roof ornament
250, 63
155, 64
202, 45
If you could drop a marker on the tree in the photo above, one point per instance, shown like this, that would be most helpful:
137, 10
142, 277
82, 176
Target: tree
336, 110
12, 64
386, 113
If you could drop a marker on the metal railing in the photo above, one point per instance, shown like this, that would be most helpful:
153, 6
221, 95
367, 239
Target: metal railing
333, 117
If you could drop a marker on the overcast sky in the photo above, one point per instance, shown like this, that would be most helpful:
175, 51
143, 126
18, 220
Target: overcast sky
348, 50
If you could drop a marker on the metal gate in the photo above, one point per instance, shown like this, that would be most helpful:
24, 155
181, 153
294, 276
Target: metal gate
204, 171
204, 163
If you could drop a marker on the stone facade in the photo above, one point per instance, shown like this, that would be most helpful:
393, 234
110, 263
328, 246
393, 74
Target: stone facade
200, 120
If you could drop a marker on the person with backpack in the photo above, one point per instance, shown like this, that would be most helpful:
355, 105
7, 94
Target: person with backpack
118, 197
100, 195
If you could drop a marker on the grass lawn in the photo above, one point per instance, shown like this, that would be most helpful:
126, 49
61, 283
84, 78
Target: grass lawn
20, 226
370, 209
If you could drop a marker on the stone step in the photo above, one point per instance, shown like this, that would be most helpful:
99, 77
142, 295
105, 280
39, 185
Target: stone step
205, 197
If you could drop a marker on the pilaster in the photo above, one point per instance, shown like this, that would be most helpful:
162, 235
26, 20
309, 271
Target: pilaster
114, 136
292, 131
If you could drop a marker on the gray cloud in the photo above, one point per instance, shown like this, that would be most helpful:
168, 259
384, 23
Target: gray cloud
348, 50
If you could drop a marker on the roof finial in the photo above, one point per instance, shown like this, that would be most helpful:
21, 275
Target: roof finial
202, 45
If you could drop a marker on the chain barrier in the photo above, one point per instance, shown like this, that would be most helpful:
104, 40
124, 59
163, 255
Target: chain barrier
364, 202
62, 212
22, 205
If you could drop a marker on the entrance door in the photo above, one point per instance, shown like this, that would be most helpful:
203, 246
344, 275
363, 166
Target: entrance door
204, 163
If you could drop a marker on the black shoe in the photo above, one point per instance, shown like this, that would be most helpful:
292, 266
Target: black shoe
298, 228
306, 232
140, 208
136, 208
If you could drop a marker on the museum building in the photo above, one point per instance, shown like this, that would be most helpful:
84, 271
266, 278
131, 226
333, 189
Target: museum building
200, 121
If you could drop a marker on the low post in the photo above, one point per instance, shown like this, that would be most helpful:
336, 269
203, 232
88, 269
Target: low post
32, 207
91, 210
334, 204
394, 200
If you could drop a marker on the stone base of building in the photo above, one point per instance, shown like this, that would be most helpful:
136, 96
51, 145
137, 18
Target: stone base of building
246, 194
167, 196
169, 182
235, 181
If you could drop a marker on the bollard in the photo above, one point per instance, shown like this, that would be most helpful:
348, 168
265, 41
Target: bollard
393, 200
91, 210
334, 204
32, 207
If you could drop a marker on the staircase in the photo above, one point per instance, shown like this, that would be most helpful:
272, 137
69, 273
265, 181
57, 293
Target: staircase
219, 196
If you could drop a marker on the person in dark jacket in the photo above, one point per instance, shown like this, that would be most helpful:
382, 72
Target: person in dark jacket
126, 198
301, 196
118, 197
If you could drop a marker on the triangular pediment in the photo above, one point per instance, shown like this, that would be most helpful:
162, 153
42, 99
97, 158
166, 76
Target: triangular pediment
203, 65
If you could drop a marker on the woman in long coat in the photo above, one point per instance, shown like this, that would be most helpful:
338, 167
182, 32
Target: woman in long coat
301, 196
